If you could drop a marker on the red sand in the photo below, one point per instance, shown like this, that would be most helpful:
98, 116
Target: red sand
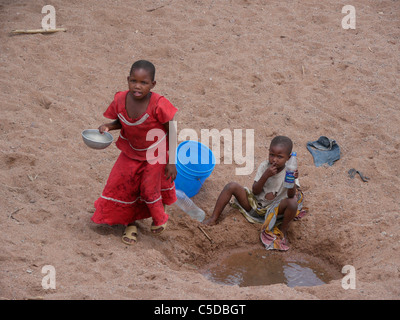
276, 67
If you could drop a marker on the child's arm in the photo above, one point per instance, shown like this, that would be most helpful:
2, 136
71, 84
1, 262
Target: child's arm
115, 125
170, 168
258, 185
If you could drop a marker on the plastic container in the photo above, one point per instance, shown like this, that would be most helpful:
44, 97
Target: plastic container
188, 206
291, 167
194, 164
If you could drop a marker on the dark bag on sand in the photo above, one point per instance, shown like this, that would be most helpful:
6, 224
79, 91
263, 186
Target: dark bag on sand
324, 150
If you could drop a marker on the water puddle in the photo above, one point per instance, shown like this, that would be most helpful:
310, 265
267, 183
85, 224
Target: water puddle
261, 267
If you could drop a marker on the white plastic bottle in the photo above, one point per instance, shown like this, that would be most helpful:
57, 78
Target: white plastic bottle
291, 167
187, 205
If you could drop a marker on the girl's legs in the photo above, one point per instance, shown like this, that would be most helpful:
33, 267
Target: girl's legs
150, 192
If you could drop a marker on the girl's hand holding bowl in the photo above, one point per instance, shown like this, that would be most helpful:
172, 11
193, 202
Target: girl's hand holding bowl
97, 138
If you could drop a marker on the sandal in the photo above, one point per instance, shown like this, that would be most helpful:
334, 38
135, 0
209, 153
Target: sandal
130, 233
352, 172
158, 229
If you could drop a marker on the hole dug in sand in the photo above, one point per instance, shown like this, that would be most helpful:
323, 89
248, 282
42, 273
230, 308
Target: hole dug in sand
230, 253
257, 267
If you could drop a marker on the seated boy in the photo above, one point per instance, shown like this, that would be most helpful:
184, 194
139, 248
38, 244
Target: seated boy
269, 200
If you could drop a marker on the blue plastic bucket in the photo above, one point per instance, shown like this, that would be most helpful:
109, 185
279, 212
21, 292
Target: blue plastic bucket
194, 164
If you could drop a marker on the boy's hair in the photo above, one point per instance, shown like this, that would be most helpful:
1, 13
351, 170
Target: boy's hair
284, 141
146, 65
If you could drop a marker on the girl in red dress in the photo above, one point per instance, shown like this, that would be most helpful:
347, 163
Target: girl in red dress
141, 182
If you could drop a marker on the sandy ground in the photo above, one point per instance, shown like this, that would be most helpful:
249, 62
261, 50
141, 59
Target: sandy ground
278, 67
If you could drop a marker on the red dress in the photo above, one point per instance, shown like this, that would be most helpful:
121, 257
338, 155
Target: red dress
137, 188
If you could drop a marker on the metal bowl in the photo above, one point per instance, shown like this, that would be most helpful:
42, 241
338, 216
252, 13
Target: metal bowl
96, 140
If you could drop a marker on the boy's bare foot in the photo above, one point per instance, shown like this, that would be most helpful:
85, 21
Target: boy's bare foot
209, 222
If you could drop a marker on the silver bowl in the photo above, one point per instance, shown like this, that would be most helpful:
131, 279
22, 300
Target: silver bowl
96, 140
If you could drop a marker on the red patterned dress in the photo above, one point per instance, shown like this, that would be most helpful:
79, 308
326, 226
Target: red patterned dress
137, 187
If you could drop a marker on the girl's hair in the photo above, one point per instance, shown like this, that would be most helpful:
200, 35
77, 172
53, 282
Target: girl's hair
284, 141
146, 65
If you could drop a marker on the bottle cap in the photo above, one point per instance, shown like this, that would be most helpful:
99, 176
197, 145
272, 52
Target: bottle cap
294, 153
